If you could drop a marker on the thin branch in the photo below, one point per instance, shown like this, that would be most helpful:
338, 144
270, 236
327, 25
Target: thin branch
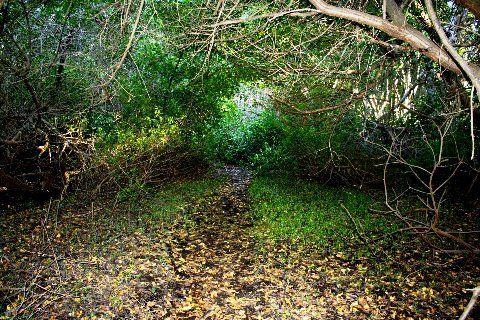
361, 234
471, 303
271, 16
345, 103
405, 33
472, 74
129, 44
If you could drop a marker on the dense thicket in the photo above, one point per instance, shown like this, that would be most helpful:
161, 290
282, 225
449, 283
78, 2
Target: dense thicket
89, 89
353, 104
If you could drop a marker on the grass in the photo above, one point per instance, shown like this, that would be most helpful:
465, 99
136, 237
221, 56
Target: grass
174, 201
301, 211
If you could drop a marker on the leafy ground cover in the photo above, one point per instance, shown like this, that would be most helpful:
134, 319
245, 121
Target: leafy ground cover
193, 251
88, 261
298, 210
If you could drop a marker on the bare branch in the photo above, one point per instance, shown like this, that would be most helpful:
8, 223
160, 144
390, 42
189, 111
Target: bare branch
471, 303
472, 74
294, 13
129, 44
412, 36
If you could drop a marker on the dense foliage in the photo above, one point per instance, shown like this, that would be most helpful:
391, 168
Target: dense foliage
103, 95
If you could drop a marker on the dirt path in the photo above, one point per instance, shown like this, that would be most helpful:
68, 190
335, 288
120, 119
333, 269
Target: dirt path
221, 275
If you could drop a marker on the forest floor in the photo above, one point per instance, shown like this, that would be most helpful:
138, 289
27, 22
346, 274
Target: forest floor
205, 263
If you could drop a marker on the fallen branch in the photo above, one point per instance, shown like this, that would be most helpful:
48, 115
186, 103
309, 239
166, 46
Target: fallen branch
361, 234
471, 303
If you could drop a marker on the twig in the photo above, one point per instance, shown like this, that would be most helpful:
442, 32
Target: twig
471, 303
361, 234
129, 44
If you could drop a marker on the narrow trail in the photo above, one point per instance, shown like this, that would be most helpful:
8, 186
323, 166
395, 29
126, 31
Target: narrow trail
221, 275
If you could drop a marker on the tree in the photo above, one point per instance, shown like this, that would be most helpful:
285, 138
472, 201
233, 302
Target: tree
395, 23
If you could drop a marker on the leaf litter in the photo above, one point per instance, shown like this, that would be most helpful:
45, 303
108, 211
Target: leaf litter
213, 267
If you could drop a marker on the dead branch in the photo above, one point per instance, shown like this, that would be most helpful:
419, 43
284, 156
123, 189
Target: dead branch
471, 72
119, 64
471, 303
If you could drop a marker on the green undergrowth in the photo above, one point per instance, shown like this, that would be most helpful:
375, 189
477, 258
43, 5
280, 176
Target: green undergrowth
305, 212
155, 210
175, 201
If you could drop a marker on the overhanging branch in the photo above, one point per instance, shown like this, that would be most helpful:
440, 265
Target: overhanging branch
402, 32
